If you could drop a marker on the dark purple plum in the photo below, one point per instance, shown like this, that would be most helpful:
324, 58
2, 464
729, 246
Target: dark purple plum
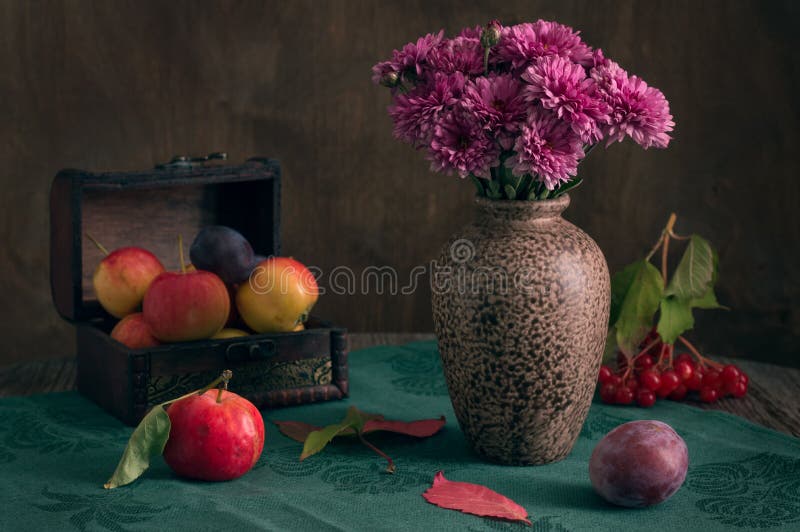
224, 251
639, 464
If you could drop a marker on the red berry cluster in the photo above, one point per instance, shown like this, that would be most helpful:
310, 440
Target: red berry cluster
656, 374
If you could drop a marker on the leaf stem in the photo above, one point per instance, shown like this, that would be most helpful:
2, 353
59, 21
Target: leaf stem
646, 349
390, 468
695, 352
655, 247
676, 236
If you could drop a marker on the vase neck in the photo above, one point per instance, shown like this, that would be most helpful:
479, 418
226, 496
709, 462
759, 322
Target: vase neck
520, 211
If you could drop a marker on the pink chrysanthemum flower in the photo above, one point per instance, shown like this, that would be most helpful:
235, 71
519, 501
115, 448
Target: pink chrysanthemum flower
546, 148
409, 63
498, 104
471, 33
598, 58
637, 110
416, 113
380, 70
522, 44
462, 54
561, 85
460, 145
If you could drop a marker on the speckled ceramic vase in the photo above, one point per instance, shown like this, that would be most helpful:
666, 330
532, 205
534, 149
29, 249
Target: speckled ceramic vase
520, 305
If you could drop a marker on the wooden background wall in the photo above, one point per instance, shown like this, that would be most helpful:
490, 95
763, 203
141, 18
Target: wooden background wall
125, 84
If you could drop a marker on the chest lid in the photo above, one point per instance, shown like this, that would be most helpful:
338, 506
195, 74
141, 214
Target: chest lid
149, 209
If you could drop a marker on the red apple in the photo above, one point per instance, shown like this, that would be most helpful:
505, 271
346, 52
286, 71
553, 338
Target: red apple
180, 307
133, 332
122, 278
278, 296
215, 436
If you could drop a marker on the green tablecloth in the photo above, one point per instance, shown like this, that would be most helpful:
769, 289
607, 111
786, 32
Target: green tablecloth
56, 451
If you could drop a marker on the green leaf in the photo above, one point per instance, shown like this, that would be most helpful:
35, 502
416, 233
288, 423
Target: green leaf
318, 439
478, 184
708, 301
569, 185
610, 349
511, 192
523, 189
494, 190
147, 440
675, 318
620, 285
696, 272
637, 299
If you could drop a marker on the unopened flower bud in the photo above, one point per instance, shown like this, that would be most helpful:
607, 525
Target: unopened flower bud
390, 79
491, 34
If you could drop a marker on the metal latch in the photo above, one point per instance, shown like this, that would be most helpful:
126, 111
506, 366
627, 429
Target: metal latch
185, 161
245, 351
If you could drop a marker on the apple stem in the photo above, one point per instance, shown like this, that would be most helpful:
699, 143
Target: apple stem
180, 253
100, 246
226, 377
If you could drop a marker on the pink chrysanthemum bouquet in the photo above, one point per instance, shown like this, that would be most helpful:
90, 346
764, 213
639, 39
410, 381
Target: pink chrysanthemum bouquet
516, 108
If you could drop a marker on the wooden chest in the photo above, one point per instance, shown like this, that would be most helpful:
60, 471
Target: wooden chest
150, 209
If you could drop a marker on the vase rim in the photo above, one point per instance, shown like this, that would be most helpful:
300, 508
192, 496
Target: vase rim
525, 209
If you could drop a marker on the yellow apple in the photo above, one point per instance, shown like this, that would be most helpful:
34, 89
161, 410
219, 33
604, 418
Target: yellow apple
278, 296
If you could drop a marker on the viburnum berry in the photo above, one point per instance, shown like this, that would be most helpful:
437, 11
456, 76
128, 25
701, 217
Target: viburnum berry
608, 392
644, 362
645, 398
650, 379
739, 389
605, 374
745, 378
711, 379
679, 393
730, 374
669, 381
695, 382
708, 394
683, 369
624, 396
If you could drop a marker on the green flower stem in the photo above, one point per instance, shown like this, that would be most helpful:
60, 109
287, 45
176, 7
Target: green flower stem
665, 247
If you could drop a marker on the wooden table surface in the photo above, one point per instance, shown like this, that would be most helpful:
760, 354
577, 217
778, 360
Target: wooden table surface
772, 400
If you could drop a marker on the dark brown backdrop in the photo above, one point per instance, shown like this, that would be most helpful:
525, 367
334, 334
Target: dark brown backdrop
123, 85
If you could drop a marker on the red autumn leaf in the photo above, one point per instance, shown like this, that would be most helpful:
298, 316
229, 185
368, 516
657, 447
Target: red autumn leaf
296, 430
299, 431
419, 429
473, 499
